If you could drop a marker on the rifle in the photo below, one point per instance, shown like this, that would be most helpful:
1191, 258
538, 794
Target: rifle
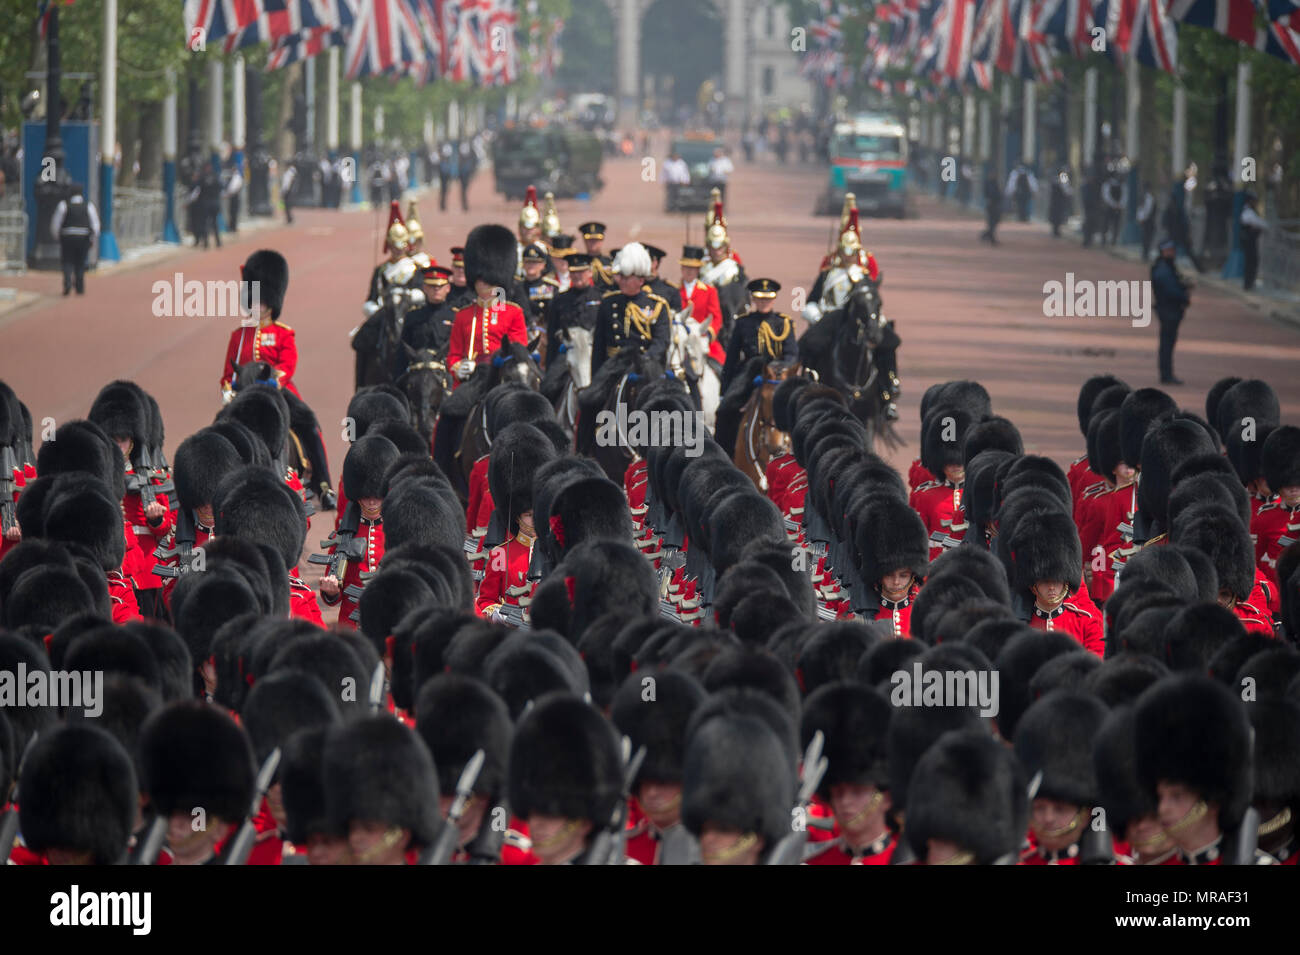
790, 850
346, 547
377, 689
607, 848
8, 488
1240, 844
182, 549
441, 851
242, 844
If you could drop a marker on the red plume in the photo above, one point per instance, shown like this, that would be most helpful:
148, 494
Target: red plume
569, 584
557, 529
853, 221
717, 211
530, 198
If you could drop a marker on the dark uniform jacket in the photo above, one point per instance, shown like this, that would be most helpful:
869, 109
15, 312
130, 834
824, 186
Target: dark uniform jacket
1169, 291
644, 319
769, 336
575, 306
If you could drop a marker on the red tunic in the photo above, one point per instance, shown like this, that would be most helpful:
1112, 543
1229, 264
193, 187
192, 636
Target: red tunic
478, 486
837, 852
478, 329
273, 344
1079, 618
939, 504
1275, 528
1105, 520
898, 614
302, 601
372, 533
201, 536
1266, 595
122, 596
507, 567
1081, 476
918, 475
781, 471
21, 476
517, 848
143, 538
1254, 619
708, 311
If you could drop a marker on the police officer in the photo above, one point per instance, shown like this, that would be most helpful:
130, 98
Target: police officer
76, 223
632, 315
1172, 296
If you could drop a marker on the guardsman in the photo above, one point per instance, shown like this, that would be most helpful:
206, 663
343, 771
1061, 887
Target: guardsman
631, 315
854, 722
593, 240
707, 308
262, 336
478, 329
1192, 739
723, 270
895, 553
762, 332
540, 288
1130, 809
939, 502
1276, 526
1047, 564
1055, 737
429, 326
518, 450
1105, 513
202, 462
363, 476
565, 777
461, 293
1277, 775
121, 410
1080, 474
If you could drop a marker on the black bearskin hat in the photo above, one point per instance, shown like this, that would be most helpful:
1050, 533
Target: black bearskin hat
1193, 730
943, 438
1114, 760
1280, 458
992, 434
517, 452
271, 273
254, 503
120, 410
968, 790
1140, 410
363, 468
1165, 446
891, 535
282, 703
378, 770
1055, 737
89, 518
1221, 536
565, 761
265, 412
490, 256
854, 721
302, 786
1251, 398
586, 509
202, 460
193, 755
79, 794
1088, 394
657, 721
457, 715
1045, 546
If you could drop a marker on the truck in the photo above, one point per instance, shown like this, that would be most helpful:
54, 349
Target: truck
555, 159
868, 157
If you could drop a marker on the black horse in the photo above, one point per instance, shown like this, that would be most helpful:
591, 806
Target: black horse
852, 349
618, 382
460, 440
306, 446
426, 384
378, 342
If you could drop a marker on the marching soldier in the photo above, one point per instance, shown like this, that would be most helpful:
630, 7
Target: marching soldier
593, 240
479, 328
1130, 809
1047, 563
1105, 514
1276, 526
895, 559
939, 502
515, 457
363, 476
262, 337
429, 326
632, 315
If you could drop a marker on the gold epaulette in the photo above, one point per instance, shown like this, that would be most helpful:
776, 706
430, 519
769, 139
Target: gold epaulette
610, 292
281, 324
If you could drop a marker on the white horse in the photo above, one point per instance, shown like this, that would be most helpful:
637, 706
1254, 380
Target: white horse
577, 356
689, 352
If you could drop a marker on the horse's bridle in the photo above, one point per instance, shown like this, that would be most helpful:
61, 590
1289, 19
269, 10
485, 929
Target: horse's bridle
860, 331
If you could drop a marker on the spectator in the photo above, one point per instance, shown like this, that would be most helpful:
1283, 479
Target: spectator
76, 223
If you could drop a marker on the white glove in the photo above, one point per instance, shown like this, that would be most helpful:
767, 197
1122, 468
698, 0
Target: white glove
227, 396
465, 369
812, 313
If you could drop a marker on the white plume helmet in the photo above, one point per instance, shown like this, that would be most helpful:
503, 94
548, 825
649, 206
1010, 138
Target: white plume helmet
633, 259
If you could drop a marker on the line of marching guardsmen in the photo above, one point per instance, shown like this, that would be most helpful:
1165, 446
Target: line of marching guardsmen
1139, 611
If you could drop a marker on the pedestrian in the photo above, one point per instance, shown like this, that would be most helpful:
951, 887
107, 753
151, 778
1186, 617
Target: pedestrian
1176, 221
466, 164
1252, 224
76, 223
1092, 208
1022, 186
1146, 217
1172, 296
446, 173
1061, 201
287, 184
1112, 197
992, 209
234, 186
210, 205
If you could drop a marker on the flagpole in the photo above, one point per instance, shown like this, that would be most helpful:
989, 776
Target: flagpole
108, 251
170, 233
1235, 266
216, 124
1133, 147
238, 118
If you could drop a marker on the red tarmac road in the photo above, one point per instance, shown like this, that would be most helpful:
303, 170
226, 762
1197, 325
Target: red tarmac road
963, 309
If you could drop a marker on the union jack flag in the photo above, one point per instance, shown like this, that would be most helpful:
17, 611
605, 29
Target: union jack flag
385, 39
1238, 19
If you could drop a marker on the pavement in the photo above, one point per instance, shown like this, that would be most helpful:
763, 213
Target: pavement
962, 308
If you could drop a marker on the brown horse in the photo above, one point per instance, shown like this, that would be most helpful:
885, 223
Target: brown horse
758, 440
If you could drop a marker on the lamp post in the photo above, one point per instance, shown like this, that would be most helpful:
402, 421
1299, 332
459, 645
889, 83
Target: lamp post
51, 187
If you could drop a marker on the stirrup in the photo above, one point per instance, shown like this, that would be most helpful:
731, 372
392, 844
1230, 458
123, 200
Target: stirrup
891, 411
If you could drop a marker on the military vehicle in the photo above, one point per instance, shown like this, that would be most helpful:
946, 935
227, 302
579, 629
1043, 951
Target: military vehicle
565, 162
